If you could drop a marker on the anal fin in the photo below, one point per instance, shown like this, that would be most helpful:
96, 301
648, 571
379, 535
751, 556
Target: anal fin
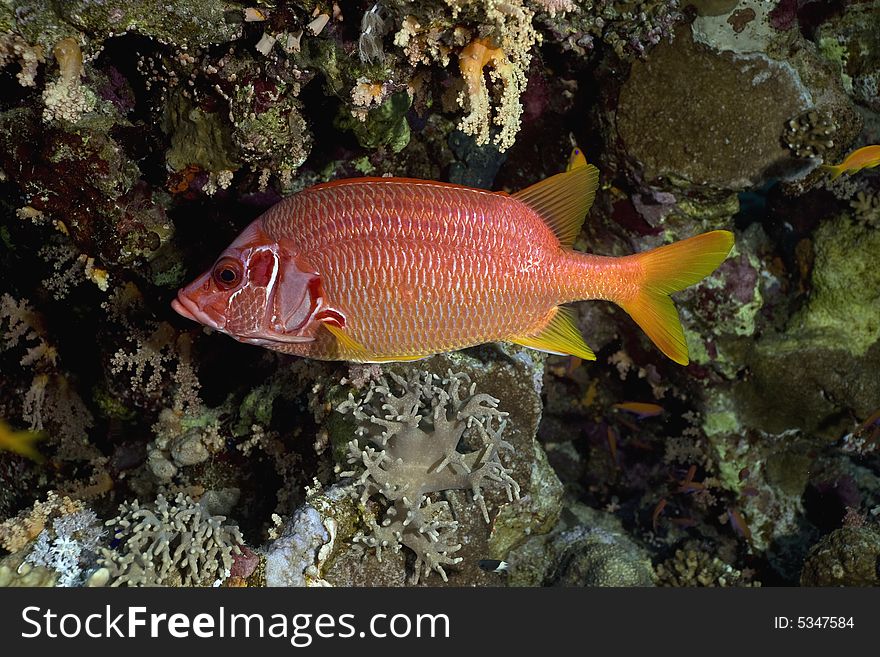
559, 336
395, 359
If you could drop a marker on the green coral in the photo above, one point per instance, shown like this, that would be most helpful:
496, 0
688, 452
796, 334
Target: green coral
197, 137
111, 406
534, 514
845, 276
385, 125
277, 137
195, 22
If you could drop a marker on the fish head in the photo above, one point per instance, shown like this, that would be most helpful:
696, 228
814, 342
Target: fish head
257, 291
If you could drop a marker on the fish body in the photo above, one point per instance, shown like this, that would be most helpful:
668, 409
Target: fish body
385, 269
867, 157
640, 409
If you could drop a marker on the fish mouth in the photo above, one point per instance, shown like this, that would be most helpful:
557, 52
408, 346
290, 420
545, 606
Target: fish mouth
188, 308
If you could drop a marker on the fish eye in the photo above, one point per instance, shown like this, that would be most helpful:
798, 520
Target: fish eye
227, 273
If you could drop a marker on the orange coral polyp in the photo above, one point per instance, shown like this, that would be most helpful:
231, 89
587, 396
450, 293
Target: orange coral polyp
474, 57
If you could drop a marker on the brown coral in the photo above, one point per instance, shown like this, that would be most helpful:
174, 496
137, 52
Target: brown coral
809, 134
170, 543
696, 567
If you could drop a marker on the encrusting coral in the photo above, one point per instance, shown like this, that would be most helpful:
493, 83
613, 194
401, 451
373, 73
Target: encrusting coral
432, 435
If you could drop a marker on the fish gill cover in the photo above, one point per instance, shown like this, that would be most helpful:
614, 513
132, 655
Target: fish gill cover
137, 139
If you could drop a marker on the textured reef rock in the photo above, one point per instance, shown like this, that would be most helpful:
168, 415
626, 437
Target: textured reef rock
586, 548
851, 43
846, 557
824, 359
651, 116
733, 139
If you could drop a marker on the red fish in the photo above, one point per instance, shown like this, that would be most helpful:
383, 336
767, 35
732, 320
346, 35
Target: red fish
391, 269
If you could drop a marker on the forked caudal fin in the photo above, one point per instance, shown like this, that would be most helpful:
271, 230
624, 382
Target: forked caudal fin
668, 269
835, 170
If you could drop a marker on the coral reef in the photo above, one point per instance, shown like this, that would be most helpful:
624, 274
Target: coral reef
138, 139
810, 134
588, 549
694, 567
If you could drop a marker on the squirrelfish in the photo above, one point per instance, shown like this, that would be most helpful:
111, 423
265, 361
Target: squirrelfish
867, 157
395, 269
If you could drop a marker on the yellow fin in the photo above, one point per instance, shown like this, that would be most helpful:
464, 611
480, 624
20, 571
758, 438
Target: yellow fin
560, 336
396, 359
563, 200
347, 344
21, 442
356, 352
576, 159
668, 269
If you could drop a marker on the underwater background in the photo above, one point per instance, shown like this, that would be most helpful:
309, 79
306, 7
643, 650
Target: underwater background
138, 138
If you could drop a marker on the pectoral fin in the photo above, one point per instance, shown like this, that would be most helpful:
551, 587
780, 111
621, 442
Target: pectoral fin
356, 352
351, 348
559, 336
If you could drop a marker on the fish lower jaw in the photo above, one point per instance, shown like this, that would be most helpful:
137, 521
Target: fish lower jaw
189, 309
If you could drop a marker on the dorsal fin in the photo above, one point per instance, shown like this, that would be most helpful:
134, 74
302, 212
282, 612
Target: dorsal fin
563, 200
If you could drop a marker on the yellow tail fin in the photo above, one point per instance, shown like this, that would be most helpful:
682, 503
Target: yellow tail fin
836, 171
669, 269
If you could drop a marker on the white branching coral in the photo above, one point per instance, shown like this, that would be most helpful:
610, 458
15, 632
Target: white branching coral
170, 544
69, 546
475, 96
494, 40
421, 435
507, 54
156, 355
15, 49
